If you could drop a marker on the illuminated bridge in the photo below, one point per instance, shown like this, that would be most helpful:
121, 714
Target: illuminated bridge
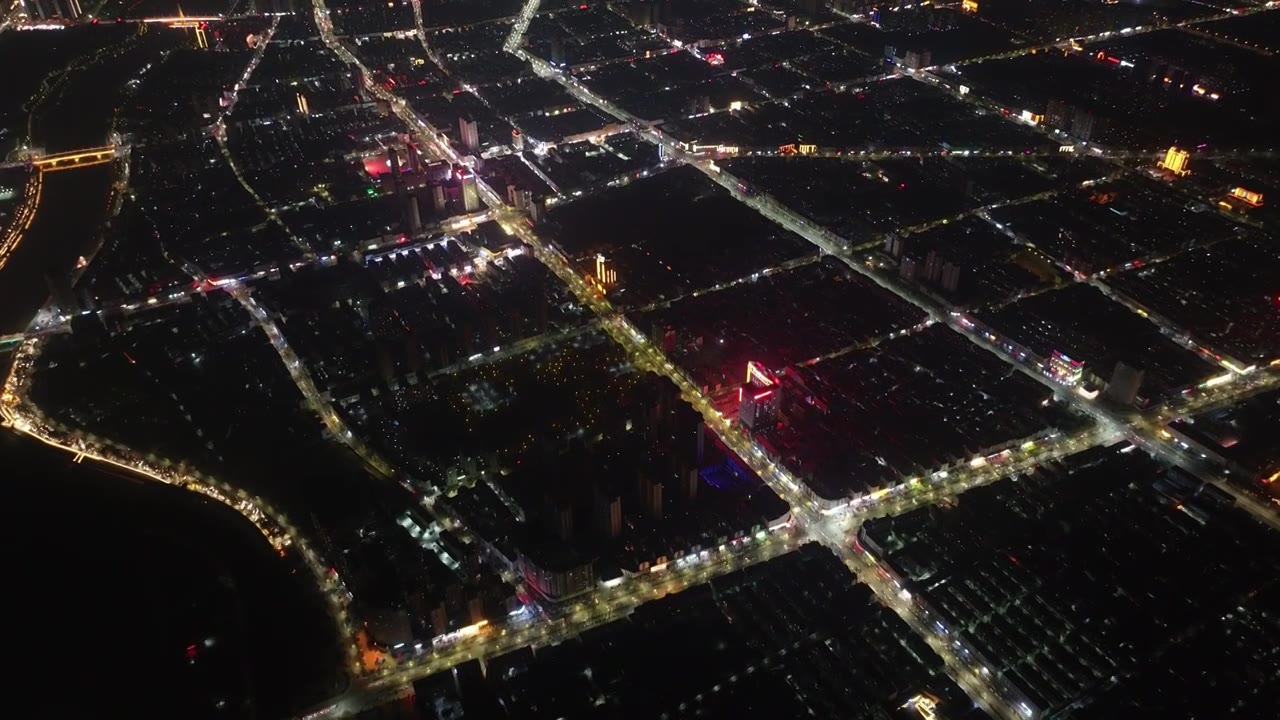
75, 158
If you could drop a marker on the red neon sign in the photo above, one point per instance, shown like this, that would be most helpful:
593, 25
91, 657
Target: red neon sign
756, 371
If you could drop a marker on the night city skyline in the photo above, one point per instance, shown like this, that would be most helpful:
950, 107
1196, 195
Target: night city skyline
438, 359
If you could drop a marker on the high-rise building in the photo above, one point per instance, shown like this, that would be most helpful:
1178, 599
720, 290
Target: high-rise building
555, 575
950, 276
1176, 161
651, 495
759, 409
50, 9
933, 267
908, 267
518, 198
557, 50
917, 59
643, 13
692, 479
469, 133
538, 210
393, 162
605, 274
517, 140
470, 192
359, 83
608, 513
759, 398
438, 199
560, 516
415, 214
1063, 369
1084, 125
895, 244
414, 157
1126, 380
1059, 114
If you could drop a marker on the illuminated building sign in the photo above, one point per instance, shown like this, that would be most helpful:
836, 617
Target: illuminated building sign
1249, 196
605, 275
789, 149
1176, 161
759, 376
969, 6
758, 408
1065, 370
715, 59
925, 705
808, 149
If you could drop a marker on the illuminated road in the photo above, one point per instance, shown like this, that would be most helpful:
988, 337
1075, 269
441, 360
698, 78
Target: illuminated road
832, 525
429, 500
515, 349
995, 695
828, 527
561, 622
792, 264
22, 217
220, 134
10, 14
1066, 43
20, 415
315, 400
521, 26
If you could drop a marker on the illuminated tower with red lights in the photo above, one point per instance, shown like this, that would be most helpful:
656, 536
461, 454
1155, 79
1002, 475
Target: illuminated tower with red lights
759, 398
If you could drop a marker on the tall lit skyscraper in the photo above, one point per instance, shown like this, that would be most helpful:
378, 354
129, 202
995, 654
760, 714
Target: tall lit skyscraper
470, 133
